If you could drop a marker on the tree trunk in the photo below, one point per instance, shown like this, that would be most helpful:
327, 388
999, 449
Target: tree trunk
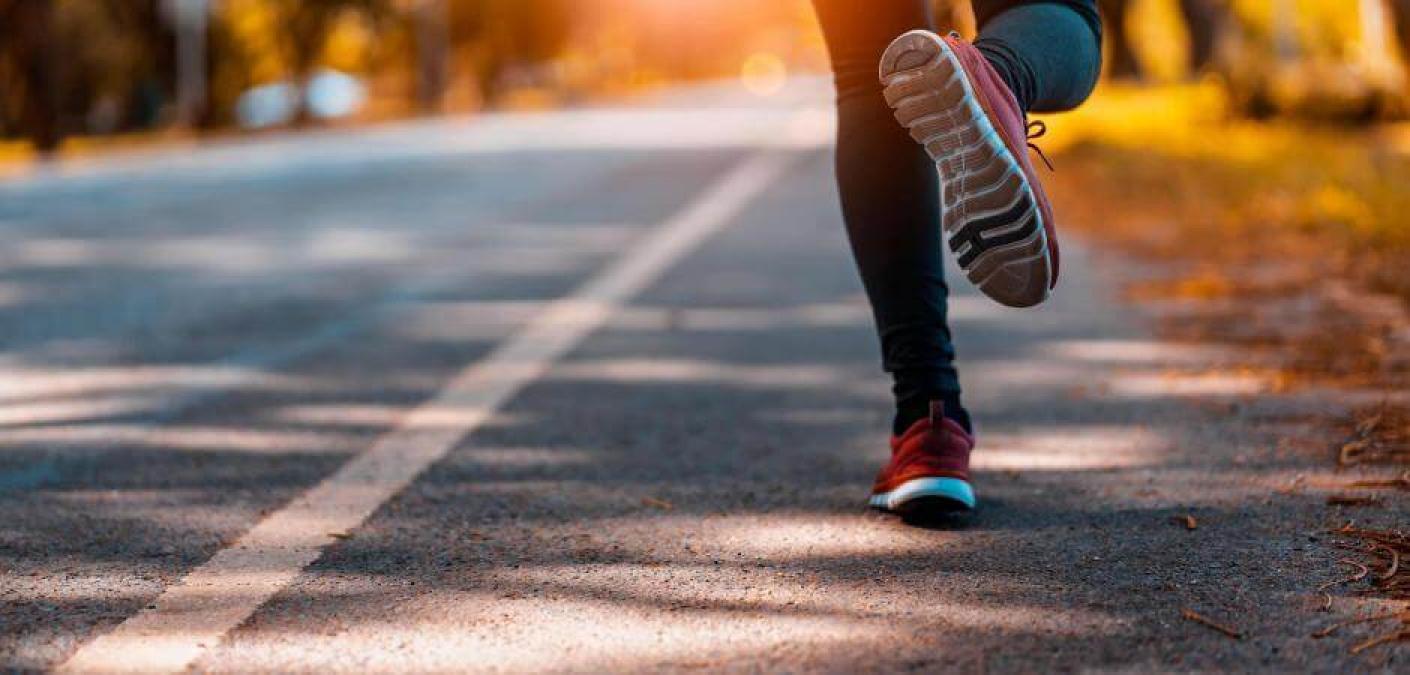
1120, 57
29, 37
191, 21
1400, 17
1205, 21
431, 19
27, 42
307, 35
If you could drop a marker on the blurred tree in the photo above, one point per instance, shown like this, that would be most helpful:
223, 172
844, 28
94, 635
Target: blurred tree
102, 66
118, 69
29, 83
1121, 58
1206, 22
231, 69
190, 22
83, 65
306, 26
131, 68
497, 40
1400, 15
1246, 66
431, 19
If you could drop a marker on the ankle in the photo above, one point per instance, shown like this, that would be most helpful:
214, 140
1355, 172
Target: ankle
911, 410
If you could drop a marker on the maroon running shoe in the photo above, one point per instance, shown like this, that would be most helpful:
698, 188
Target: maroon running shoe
998, 221
929, 468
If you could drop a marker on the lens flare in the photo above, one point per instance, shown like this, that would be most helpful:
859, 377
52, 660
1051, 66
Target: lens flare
763, 73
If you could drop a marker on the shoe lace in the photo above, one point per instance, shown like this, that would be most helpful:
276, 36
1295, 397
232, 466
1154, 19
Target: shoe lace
1033, 128
1036, 129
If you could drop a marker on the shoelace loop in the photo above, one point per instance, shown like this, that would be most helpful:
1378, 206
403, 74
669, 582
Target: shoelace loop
1036, 129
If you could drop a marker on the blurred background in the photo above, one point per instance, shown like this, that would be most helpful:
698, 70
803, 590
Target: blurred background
386, 190
1216, 117
83, 69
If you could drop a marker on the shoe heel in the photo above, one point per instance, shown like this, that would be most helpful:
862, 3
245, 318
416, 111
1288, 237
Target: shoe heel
913, 50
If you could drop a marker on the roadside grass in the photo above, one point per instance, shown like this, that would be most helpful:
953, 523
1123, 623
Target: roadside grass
1286, 237
18, 157
1227, 190
1255, 219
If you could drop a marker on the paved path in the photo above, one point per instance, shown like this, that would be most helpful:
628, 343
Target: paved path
582, 391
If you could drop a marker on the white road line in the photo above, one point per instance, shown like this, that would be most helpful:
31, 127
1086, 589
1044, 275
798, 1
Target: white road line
194, 614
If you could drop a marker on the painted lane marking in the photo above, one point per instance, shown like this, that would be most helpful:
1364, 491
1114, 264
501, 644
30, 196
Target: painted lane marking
194, 614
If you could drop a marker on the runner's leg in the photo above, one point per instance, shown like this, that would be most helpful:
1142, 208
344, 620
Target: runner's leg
891, 205
1049, 52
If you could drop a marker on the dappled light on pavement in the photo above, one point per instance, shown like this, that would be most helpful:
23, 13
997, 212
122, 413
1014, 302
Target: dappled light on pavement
406, 424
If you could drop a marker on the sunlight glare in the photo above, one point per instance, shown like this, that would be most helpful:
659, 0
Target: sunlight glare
763, 74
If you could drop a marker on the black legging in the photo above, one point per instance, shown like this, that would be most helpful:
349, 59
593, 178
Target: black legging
1048, 51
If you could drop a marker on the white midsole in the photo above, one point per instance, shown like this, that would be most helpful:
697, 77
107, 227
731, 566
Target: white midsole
955, 489
989, 136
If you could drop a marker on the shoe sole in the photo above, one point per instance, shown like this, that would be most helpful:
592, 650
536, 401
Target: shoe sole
926, 496
989, 210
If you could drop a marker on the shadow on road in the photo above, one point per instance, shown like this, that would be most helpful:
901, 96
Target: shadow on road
686, 490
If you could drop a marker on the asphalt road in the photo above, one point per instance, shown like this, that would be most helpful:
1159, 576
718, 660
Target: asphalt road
593, 390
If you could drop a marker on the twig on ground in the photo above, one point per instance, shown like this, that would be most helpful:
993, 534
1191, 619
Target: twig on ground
1359, 620
1381, 436
1384, 639
657, 503
1400, 483
1350, 450
1354, 500
1348, 454
1394, 563
1207, 622
1367, 426
1361, 573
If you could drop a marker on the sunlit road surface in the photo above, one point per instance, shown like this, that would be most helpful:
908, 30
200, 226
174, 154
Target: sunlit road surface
584, 390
